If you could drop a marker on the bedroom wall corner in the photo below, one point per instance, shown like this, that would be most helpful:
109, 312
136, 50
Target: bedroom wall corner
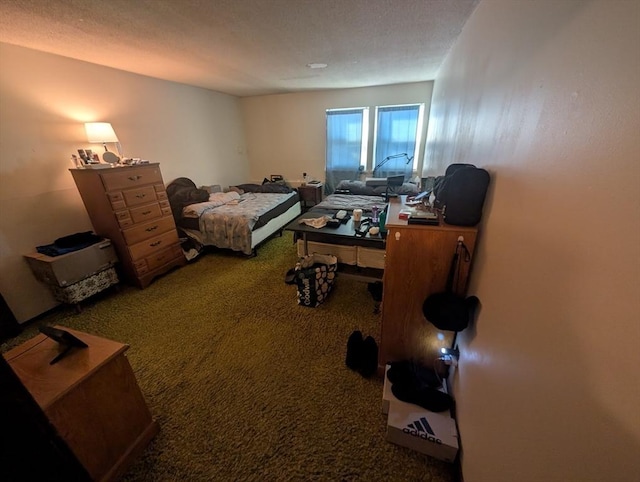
45, 100
286, 133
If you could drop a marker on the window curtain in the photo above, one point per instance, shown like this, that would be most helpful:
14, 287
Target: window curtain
344, 147
397, 130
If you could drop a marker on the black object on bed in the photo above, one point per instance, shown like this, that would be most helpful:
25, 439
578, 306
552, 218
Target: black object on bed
182, 192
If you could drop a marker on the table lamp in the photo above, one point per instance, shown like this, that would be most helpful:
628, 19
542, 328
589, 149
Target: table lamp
102, 132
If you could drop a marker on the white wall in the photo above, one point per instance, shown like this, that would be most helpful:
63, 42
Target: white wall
546, 96
44, 101
286, 132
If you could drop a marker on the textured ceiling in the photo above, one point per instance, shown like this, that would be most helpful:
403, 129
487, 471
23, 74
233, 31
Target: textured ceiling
246, 47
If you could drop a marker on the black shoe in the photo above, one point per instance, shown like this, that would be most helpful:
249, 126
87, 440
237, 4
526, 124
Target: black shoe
409, 373
354, 350
430, 398
369, 363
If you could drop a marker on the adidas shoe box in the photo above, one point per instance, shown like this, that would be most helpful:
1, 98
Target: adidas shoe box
431, 433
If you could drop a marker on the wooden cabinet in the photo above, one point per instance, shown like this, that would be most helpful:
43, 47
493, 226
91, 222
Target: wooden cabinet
310, 194
91, 397
417, 264
129, 206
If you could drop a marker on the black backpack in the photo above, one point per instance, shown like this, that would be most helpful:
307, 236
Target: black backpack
461, 193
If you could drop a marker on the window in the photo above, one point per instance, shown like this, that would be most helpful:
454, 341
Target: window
397, 132
346, 144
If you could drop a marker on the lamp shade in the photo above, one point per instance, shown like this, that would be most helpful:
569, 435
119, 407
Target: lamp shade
100, 132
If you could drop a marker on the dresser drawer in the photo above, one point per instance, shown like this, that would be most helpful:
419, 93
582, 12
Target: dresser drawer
141, 195
163, 257
157, 260
128, 177
152, 245
145, 213
147, 230
125, 222
117, 200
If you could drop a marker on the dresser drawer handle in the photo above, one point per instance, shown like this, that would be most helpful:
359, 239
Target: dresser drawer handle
146, 212
157, 243
134, 178
153, 228
140, 196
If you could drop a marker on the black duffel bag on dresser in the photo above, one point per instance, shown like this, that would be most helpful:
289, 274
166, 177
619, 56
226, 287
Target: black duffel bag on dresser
461, 193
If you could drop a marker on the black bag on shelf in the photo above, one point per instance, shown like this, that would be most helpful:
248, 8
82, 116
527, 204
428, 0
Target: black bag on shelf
461, 193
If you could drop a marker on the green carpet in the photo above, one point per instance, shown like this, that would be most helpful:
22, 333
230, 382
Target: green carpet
245, 383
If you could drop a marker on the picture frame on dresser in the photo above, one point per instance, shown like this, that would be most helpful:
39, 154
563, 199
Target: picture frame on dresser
129, 206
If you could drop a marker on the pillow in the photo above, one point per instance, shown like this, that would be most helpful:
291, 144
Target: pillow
212, 188
356, 187
224, 197
270, 187
360, 188
216, 199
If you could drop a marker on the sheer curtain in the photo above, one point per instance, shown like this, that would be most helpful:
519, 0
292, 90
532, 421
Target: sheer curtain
344, 146
396, 133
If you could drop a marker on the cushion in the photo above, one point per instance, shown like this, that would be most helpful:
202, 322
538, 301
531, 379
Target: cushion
360, 188
270, 187
216, 199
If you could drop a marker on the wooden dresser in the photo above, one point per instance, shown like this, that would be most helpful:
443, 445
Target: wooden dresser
417, 264
129, 206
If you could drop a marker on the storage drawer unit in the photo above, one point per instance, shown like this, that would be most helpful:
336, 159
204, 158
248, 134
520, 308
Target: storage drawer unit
129, 205
69, 268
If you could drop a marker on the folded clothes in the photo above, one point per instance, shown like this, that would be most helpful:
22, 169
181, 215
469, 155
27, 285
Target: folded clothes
68, 244
318, 223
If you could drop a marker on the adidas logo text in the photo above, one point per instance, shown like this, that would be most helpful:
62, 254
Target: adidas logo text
421, 428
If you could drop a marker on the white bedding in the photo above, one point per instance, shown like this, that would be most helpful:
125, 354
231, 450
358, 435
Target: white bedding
230, 225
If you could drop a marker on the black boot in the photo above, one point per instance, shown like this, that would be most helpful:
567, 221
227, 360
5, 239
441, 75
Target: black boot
369, 363
354, 350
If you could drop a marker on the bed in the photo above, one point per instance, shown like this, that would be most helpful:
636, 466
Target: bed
348, 196
239, 219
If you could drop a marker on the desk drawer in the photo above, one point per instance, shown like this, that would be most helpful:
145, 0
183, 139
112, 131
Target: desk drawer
148, 230
152, 245
370, 257
128, 177
345, 254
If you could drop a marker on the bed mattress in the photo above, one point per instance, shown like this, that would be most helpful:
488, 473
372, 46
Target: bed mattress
263, 218
349, 202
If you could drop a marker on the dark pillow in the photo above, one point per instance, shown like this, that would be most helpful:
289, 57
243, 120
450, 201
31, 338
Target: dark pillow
182, 192
270, 187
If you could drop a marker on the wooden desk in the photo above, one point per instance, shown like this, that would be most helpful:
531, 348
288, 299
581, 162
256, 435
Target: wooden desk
417, 264
92, 399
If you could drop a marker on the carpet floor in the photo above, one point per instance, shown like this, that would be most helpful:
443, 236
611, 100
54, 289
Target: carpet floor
245, 383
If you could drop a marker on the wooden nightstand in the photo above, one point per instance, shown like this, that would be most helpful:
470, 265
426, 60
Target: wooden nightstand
310, 194
91, 397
